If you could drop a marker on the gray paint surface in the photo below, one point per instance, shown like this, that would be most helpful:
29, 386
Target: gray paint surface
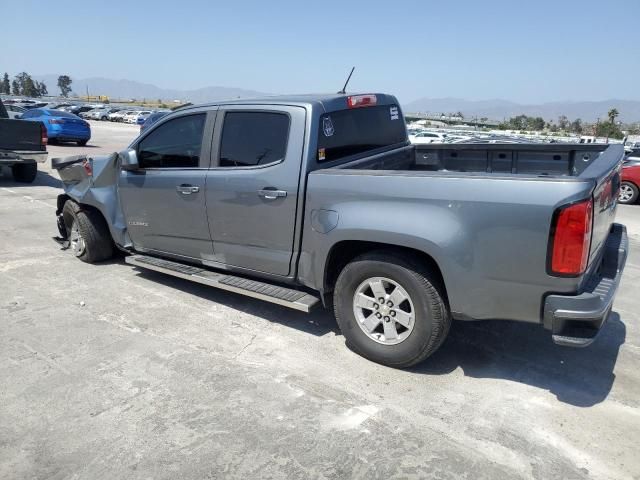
487, 232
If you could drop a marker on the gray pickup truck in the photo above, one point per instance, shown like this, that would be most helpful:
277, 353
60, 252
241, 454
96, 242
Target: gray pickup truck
302, 200
22, 146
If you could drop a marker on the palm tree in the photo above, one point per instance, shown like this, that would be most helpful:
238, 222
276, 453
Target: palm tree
612, 114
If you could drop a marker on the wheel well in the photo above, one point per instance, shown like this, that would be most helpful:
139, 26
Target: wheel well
63, 199
344, 252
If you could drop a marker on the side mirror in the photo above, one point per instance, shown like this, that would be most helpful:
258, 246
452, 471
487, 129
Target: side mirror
129, 160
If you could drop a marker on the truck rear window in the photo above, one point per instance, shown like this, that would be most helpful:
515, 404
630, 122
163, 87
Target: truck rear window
348, 132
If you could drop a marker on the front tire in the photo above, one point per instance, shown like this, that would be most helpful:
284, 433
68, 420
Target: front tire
628, 193
391, 309
88, 234
24, 172
82, 143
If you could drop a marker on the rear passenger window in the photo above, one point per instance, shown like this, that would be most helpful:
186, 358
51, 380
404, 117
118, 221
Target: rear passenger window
174, 144
253, 138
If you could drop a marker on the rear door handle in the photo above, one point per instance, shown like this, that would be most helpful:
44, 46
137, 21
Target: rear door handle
270, 194
187, 189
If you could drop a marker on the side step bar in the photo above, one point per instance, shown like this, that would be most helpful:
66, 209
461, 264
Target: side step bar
286, 297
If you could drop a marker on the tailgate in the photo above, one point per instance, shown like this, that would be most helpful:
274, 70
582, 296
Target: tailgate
21, 135
605, 173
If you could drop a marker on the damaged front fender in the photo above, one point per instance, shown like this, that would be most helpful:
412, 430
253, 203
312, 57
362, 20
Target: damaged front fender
92, 182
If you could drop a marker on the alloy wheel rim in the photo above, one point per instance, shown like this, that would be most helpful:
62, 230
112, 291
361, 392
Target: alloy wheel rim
384, 310
625, 193
75, 239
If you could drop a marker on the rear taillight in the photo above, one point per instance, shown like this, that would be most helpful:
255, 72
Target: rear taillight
88, 168
44, 138
571, 239
356, 101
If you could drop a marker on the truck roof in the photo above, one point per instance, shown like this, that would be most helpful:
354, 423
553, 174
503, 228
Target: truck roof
327, 101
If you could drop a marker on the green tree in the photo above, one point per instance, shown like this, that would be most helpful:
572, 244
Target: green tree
609, 129
15, 87
563, 122
612, 114
64, 84
42, 88
576, 126
5, 86
29, 87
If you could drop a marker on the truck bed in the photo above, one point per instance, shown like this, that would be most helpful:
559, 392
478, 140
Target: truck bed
486, 218
21, 136
504, 159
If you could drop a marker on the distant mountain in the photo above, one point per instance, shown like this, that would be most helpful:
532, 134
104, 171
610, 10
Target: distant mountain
498, 109
129, 89
495, 109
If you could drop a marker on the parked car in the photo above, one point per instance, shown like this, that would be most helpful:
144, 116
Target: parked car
15, 111
630, 186
58, 105
117, 116
103, 113
87, 114
428, 137
61, 126
22, 146
135, 115
151, 119
322, 199
76, 109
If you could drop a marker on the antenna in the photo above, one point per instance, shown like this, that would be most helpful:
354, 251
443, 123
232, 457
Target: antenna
344, 89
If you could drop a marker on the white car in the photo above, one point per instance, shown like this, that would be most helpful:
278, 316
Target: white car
134, 116
428, 137
15, 111
117, 116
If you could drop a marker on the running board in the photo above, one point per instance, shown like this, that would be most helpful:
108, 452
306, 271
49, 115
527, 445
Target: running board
286, 297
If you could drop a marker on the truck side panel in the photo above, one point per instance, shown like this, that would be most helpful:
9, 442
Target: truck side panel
488, 236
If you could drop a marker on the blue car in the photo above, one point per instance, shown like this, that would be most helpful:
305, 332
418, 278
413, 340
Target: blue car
61, 126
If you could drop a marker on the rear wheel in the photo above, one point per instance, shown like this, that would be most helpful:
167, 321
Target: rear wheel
628, 193
391, 309
88, 234
82, 143
24, 172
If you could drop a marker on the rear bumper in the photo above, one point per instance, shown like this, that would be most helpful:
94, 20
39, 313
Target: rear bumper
576, 320
8, 157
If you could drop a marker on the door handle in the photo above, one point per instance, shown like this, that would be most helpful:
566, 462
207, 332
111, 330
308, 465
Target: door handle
187, 189
270, 194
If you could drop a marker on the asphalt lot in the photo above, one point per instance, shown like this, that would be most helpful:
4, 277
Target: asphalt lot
109, 372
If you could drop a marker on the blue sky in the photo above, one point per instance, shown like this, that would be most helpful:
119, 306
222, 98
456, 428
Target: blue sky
522, 51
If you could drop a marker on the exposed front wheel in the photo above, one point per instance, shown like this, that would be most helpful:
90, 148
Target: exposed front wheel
628, 193
88, 234
390, 309
24, 172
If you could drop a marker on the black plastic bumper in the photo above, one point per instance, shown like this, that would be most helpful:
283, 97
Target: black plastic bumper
576, 320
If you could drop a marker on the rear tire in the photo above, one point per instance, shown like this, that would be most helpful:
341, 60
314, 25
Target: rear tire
628, 193
88, 233
24, 172
405, 334
82, 143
